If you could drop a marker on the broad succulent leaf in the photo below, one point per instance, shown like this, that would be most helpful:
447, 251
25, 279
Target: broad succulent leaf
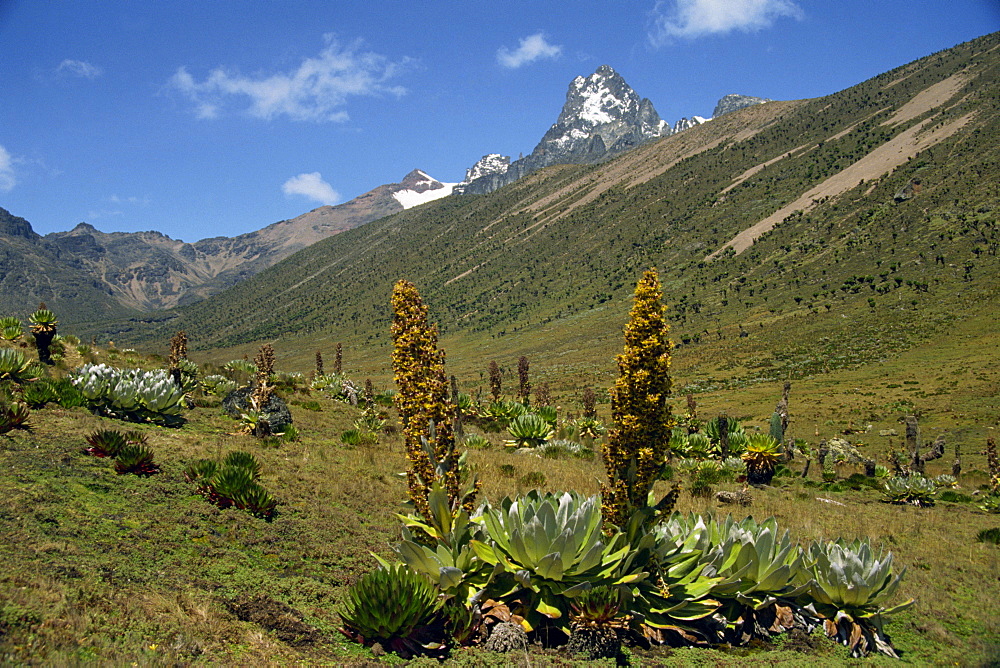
550, 548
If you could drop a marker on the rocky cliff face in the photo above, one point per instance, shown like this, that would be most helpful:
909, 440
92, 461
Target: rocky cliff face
732, 102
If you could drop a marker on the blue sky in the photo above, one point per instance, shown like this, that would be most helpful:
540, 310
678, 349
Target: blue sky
201, 119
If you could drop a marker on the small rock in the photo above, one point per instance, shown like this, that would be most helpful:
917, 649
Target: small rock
740, 497
506, 637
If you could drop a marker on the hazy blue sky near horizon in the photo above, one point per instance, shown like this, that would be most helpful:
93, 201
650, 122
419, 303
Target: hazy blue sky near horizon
201, 119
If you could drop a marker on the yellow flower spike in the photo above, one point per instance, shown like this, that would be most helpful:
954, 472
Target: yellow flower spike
639, 410
422, 400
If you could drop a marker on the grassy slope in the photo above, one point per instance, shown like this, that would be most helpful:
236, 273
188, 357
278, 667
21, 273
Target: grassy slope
101, 567
114, 569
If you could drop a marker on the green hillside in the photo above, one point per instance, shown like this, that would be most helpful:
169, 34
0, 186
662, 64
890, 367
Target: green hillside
555, 255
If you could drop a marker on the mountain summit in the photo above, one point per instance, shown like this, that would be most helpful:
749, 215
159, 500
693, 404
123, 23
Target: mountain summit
602, 114
601, 118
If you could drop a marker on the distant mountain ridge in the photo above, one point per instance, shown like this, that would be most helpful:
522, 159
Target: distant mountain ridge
126, 272
122, 272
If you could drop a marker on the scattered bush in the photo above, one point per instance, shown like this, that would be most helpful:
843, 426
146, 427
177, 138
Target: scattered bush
533, 479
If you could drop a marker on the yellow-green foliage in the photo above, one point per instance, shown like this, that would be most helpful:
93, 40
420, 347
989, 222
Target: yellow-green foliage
422, 401
637, 445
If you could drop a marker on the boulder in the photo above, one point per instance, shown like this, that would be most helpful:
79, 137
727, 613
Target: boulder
275, 411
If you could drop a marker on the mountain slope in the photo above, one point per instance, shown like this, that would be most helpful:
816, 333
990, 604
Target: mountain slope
86, 271
549, 262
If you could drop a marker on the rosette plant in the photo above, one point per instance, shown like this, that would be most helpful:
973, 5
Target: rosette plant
551, 550
850, 588
233, 483
440, 548
14, 366
914, 490
13, 415
43, 326
762, 573
131, 394
762, 454
676, 592
394, 607
11, 329
528, 431
137, 459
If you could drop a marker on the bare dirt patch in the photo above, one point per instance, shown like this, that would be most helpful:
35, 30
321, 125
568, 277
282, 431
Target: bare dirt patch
285, 621
927, 99
880, 161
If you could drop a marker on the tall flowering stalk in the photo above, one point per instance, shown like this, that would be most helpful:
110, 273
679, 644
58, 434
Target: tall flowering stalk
637, 446
423, 404
524, 385
496, 381
178, 353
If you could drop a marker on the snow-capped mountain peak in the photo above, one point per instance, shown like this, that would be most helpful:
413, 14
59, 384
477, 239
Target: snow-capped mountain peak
419, 188
494, 163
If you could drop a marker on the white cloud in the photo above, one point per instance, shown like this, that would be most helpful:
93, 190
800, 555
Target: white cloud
137, 201
95, 214
312, 186
80, 68
314, 91
695, 18
530, 49
7, 180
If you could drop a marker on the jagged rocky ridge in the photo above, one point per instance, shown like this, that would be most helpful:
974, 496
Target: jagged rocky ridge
602, 117
85, 271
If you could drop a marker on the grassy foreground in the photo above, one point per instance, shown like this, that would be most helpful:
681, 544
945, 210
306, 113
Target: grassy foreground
100, 568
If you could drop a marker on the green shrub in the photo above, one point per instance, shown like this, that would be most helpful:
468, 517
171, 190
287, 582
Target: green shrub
952, 496
532, 479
